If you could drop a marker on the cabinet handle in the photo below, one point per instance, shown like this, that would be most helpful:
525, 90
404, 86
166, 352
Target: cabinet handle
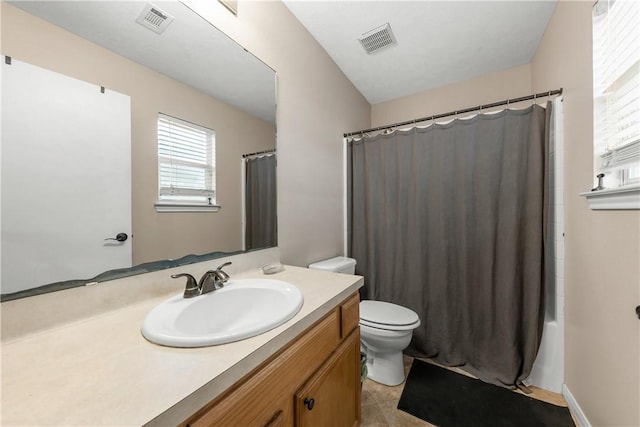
309, 403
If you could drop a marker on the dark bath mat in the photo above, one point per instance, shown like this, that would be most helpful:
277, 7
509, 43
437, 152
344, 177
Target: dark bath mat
449, 399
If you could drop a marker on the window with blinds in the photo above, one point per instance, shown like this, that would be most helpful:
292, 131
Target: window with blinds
186, 163
616, 81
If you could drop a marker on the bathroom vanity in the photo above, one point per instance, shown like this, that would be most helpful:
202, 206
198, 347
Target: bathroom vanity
314, 381
98, 369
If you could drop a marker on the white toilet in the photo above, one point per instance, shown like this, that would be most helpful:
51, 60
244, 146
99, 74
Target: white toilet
385, 329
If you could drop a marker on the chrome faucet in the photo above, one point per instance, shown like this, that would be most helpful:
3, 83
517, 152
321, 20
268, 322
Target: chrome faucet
192, 289
213, 280
210, 281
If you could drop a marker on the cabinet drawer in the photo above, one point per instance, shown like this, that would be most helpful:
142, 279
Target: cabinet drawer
252, 402
349, 315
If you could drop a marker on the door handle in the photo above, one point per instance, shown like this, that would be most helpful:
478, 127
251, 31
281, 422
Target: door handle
638, 311
120, 237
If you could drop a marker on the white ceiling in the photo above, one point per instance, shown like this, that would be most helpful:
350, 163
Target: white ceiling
190, 50
439, 42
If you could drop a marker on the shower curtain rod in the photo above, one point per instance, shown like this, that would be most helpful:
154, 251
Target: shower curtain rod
456, 112
244, 156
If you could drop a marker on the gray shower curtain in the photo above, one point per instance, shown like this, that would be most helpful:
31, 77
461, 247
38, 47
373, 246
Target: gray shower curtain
260, 202
450, 221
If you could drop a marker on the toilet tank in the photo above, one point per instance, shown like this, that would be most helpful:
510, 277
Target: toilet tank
339, 264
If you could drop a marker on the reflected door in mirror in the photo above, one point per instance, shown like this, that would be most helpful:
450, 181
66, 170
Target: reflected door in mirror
66, 178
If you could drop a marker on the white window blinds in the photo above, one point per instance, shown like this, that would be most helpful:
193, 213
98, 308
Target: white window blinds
186, 161
616, 81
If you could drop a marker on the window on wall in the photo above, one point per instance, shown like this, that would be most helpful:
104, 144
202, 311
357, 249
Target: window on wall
616, 81
186, 166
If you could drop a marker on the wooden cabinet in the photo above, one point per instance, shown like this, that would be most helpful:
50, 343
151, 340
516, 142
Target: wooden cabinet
323, 364
327, 397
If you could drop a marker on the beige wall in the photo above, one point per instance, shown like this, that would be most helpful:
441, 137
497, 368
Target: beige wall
510, 83
316, 105
602, 272
165, 235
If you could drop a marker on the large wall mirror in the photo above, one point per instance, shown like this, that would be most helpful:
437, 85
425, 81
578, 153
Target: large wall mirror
145, 61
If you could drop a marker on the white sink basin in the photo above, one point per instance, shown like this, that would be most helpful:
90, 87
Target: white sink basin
243, 308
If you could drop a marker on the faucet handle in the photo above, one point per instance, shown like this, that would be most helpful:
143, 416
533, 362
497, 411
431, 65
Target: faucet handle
224, 265
223, 274
192, 289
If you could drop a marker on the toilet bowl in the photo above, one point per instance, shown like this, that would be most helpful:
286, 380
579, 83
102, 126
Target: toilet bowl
385, 329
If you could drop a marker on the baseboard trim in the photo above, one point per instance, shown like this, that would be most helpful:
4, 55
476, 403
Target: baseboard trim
574, 407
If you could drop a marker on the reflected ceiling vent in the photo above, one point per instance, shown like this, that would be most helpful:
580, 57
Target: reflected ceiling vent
377, 39
154, 18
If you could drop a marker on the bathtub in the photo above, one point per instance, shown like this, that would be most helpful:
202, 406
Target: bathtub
548, 368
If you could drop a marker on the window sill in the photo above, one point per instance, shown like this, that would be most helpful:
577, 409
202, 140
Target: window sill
162, 206
615, 198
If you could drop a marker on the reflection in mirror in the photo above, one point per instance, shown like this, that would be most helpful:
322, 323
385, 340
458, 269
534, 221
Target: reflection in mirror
260, 200
85, 56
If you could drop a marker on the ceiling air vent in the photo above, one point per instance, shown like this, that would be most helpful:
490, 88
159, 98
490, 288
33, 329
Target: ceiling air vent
377, 39
154, 18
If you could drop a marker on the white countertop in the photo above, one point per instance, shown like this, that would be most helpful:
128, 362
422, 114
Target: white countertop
101, 371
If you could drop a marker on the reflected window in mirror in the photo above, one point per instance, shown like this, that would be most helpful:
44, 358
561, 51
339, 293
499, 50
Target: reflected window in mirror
186, 166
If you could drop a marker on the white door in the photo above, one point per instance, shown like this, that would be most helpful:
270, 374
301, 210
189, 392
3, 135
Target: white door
66, 178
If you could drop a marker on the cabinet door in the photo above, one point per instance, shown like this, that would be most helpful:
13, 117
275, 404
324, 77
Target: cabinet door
331, 397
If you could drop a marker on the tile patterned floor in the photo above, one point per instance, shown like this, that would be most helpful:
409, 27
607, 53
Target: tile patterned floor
379, 403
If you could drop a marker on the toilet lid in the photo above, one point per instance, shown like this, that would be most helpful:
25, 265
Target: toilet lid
384, 313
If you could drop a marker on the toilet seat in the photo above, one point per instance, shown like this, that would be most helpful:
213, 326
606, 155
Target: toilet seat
385, 327
388, 316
